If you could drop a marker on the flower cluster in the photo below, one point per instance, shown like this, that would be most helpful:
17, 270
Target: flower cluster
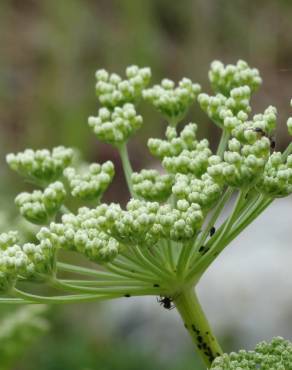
41, 166
83, 234
8, 239
174, 144
277, 177
145, 223
151, 185
242, 164
115, 127
172, 102
163, 241
203, 191
40, 206
274, 355
248, 131
112, 91
224, 78
221, 109
25, 260
93, 183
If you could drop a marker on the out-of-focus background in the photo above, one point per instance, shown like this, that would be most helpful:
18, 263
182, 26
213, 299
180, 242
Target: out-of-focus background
49, 51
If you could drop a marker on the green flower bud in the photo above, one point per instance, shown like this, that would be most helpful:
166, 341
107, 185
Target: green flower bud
172, 102
8, 239
39, 207
274, 355
93, 183
174, 144
227, 112
276, 181
116, 127
112, 91
144, 223
242, 165
204, 191
194, 162
152, 186
225, 78
41, 166
81, 233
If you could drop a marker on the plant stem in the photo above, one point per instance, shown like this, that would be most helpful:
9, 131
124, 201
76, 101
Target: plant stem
87, 271
197, 325
223, 143
15, 301
105, 283
126, 167
116, 290
287, 151
217, 211
62, 299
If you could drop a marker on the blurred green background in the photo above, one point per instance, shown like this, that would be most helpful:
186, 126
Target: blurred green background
49, 51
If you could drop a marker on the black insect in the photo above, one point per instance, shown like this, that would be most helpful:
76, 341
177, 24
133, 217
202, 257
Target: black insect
263, 133
212, 231
166, 302
203, 250
260, 131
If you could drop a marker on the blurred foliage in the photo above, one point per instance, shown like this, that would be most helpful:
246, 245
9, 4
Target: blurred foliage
49, 53
19, 330
80, 348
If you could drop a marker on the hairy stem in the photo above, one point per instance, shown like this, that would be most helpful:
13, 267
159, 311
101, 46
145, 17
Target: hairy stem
197, 325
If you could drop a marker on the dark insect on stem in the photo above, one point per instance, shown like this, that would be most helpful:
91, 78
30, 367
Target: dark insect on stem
166, 302
212, 230
203, 250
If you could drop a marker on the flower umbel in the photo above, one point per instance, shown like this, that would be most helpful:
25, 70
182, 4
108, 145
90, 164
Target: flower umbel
164, 239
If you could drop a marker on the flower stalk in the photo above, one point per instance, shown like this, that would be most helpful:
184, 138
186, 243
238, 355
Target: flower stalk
197, 326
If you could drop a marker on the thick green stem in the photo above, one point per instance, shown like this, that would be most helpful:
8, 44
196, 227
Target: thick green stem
127, 167
197, 325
